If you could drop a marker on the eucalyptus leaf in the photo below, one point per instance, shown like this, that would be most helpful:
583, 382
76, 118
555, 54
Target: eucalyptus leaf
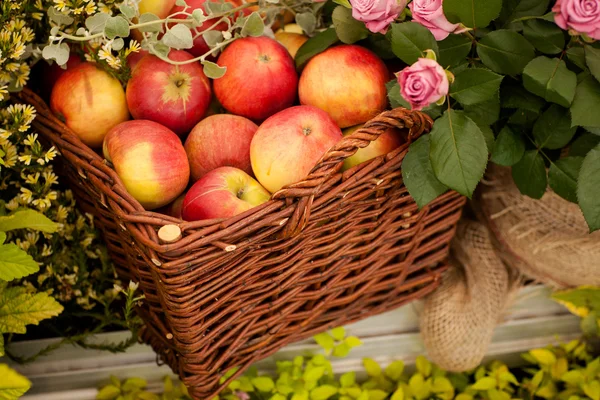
162, 50
508, 148
178, 37
529, 175
254, 25
213, 7
127, 11
584, 111
458, 152
588, 188
198, 16
212, 38
454, 49
59, 53
472, 13
96, 22
148, 18
551, 79
307, 21
59, 18
181, 3
475, 85
118, 44
410, 40
562, 177
592, 59
213, 70
418, 175
346, 27
116, 26
505, 52
546, 36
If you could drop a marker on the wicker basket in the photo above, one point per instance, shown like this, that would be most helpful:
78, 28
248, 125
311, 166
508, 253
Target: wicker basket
332, 249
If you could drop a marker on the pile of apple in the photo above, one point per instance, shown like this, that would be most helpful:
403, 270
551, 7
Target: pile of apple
179, 157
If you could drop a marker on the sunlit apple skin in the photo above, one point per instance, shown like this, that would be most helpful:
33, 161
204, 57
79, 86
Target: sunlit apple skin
348, 82
261, 78
223, 193
387, 142
134, 58
176, 96
218, 141
150, 160
90, 102
291, 41
286, 147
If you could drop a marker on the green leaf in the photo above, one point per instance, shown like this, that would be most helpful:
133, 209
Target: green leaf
348, 379
344, 3
341, 350
418, 386
508, 148
472, 13
584, 111
178, 37
515, 96
546, 36
551, 79
394, 370
553, 128
199, 16
323, 392
19, 308
573, 377
96, 23
307, 21
313, 374
58, 17
526, 118
134, 383
109, 392
582, 145
12, 385
1, 345
453, 50
59, 53
338, 333
127, 11
543, 356
475, 85
485, 113
398, 394
15, 263
423, 366
353, 341
116, 26
212, 70
118, 44
587, 188
263, 383
529, 175
484, 383
347, 28
2, 237
149, 17
410, 40
562, 177
589, 325
372, 367
417, 173
488, 135
514, 9
27, 219
577, 56
253, 26
315, 45
592, 390
324, 340
376, 394
212, 38
458, 152
505, 52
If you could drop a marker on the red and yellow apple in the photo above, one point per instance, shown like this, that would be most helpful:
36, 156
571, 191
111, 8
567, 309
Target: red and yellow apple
222, 193
150, 160
174, 208
261, 78
134, 58
354, 92
287, 146
160, 8
387, 142
90, 102
291, 41
218, 141
45, 76
176, 96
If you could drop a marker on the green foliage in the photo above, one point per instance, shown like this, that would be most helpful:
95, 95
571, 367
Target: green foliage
585, 303
348, 29
410, 41
12, 384
135, 389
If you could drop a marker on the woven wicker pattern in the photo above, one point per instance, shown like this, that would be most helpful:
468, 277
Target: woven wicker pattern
332, 249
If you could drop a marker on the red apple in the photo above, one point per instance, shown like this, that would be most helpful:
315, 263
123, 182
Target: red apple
150, 160
288, 145
385, 143
222, 193
348, 82
173, 209
47, 75
134, 58
218, 141
261, 78
90, 102
176, 96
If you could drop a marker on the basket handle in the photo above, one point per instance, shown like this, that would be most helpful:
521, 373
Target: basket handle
412, 123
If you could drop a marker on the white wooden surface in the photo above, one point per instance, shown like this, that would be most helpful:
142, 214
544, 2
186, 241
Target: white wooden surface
73, 373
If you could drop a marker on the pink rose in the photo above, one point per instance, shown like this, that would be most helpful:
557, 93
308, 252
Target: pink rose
583, 16
377, 14
423, 83
430, 14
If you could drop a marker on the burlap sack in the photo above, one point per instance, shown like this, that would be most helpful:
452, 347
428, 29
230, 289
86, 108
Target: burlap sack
458, 319
547, 239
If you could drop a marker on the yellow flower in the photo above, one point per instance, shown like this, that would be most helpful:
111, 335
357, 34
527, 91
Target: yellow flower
42, 204
31, 179
41, 161
12, 205
23, 244
10, 158
62, 213
26, 159
52, 196
26, 195
50, 178
134, 47
78, 10
90, 8
61, 5
32, 237
11, 67
50, 154
46, 251
31, 139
